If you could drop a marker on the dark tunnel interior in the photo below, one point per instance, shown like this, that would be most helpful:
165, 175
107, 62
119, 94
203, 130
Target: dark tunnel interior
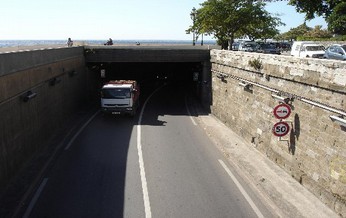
145, 72
149, 75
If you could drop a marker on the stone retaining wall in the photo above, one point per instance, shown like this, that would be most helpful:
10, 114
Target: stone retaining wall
314, 151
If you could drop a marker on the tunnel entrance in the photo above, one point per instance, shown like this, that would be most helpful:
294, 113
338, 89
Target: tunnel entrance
152, 66
149, 75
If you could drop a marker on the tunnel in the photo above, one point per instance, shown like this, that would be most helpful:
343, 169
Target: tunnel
152, 66
149, 75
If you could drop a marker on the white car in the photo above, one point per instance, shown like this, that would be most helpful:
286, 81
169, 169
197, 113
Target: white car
248, 46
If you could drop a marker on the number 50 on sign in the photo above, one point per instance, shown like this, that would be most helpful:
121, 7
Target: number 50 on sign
281, 129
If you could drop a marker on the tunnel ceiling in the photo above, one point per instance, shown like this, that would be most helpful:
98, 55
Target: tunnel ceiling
146, 71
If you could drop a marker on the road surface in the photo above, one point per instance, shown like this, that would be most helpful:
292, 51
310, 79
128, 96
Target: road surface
159, 164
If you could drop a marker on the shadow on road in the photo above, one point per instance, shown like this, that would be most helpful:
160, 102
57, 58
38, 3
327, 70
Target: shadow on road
88, 179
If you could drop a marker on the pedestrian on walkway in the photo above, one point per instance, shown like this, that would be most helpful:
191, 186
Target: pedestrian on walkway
69, 42
109, 42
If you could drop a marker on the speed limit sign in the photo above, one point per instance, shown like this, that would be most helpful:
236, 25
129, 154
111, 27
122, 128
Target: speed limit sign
281, 129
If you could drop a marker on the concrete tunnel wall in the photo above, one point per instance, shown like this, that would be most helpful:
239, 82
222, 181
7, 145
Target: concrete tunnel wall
59, 79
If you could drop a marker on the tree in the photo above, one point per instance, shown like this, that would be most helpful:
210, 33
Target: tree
262, 25
219, 18
318, 32
332, 10
294, 33
337, 20
306, 33
228, 19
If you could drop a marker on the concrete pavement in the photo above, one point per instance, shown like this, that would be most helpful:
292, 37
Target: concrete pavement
284, 194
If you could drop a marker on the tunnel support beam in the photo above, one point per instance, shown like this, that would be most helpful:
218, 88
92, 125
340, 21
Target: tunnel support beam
205, 88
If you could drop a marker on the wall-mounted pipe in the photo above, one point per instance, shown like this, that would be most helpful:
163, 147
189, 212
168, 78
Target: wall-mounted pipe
338, 120
289, 95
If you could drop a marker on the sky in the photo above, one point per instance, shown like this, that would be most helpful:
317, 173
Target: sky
116, 19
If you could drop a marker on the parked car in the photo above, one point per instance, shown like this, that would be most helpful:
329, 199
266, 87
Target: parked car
284, 46
337, 52
248, 46
307, 50
235, 46
268, 48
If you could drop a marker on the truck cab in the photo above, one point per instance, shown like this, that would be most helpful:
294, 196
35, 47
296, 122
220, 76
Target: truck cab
120, 97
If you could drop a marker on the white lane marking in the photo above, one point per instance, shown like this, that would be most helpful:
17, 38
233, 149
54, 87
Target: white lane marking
242, 190
35, 198
79, 131
142, 173
188, 112
146, 199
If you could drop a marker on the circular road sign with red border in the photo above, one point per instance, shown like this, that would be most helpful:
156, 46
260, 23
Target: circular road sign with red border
282, 111
281, 129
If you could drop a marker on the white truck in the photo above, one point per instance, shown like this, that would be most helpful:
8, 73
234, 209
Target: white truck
307, 50
120, 97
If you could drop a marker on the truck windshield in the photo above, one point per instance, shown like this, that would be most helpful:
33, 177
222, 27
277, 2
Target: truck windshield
315, 48
116, 93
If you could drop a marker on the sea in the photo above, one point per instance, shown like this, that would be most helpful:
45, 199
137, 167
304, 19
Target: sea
15, 43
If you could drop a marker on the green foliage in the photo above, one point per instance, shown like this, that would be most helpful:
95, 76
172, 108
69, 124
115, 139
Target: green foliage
263, 25
339, 38
303, 32
256, 64
332, 10
229, 19
294, 33
337, 19
318, 32
305, 38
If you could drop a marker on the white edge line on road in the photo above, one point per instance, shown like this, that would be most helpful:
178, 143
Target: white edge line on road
35, 198
242, 190
147, 208
79, 131
188, 111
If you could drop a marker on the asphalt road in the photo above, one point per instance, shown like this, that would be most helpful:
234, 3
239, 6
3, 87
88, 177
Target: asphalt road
164, 167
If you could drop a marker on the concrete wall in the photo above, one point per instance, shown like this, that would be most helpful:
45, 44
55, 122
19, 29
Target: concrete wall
25, 126
314, 152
